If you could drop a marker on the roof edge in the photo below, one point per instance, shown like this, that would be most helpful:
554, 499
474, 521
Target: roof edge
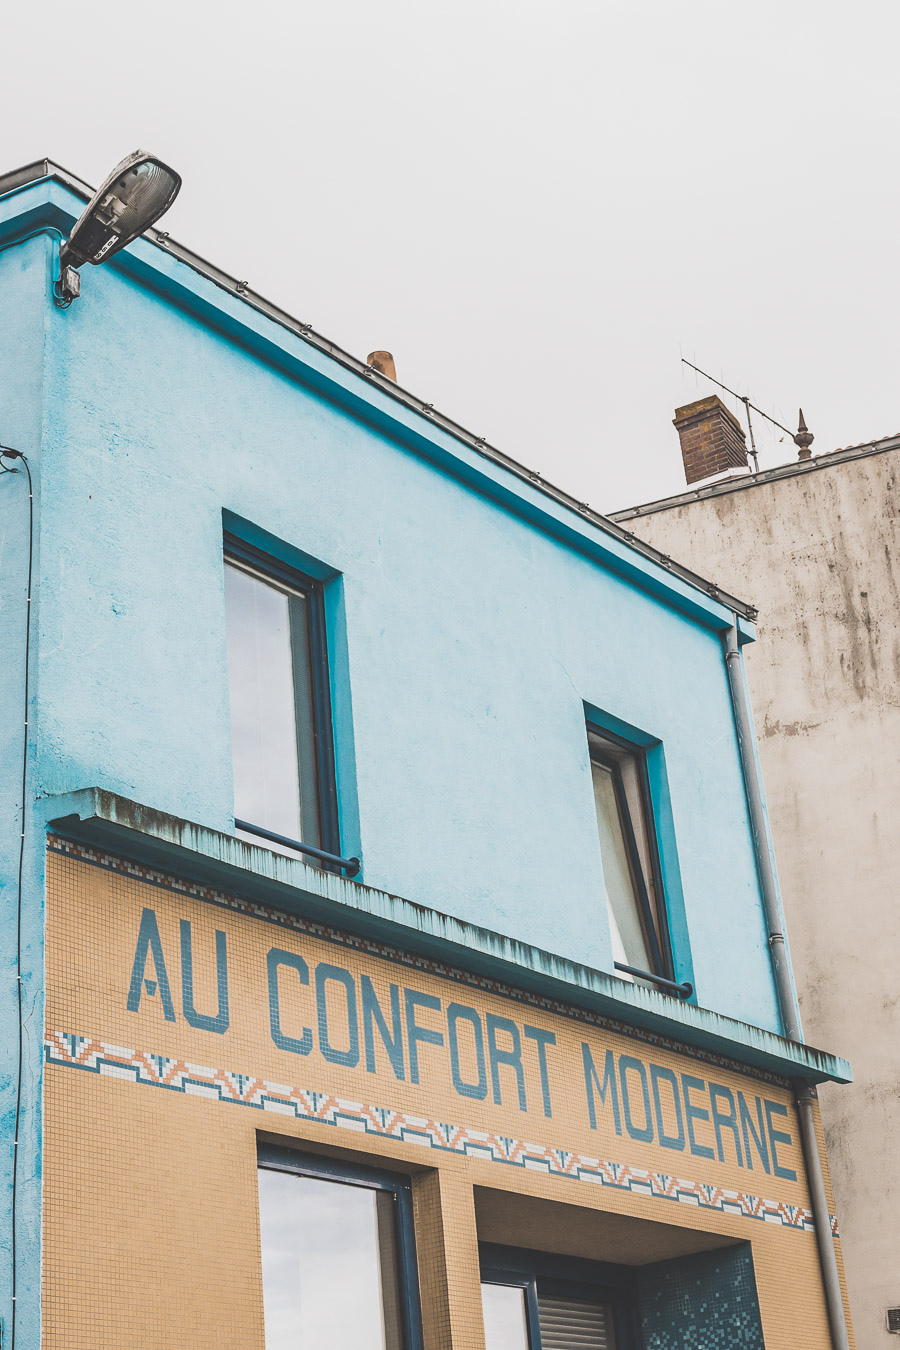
46, 169
827, 460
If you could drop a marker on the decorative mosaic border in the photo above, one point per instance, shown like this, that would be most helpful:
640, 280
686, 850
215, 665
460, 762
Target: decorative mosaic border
240, 1089
325, 932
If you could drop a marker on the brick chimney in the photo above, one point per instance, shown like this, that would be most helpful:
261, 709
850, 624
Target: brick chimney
712, 440
383, 362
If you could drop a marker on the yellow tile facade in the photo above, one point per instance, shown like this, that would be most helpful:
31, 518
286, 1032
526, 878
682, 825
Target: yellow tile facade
151, 1123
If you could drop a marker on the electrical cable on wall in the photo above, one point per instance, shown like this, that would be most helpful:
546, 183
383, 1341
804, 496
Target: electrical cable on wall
7, 452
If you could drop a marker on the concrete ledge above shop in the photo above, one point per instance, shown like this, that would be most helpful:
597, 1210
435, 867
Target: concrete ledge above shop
105, 821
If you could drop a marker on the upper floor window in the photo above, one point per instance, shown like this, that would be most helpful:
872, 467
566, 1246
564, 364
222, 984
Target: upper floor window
631, 872
281, 738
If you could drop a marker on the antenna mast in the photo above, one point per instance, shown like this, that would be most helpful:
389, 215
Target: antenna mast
803, 438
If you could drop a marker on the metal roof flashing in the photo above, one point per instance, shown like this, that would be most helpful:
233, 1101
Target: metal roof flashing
153, 256
720, 487
103, 821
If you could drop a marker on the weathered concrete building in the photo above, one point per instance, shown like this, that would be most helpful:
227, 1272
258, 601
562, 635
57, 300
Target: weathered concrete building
814, 544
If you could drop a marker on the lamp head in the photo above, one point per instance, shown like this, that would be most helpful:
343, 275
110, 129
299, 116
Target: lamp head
136, 193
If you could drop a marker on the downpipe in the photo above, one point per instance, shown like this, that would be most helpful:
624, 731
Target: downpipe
804, 1093
746, 734
805, 1097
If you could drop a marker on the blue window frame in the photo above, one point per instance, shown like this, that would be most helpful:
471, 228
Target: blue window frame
281, 726
338, 1254
566, 1301
635, 894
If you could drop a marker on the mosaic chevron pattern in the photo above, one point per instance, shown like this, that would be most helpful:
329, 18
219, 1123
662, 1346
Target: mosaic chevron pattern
222, 1085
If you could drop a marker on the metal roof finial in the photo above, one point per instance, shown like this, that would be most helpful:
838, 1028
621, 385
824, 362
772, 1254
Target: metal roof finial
803, 439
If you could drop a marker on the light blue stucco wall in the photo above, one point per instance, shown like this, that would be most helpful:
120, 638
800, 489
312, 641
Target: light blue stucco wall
23, 317
466, 641
472, 642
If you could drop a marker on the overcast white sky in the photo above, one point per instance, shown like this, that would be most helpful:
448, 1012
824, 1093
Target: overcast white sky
538, 207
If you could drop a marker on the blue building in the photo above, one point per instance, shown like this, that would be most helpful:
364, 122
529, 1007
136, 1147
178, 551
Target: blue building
380, 791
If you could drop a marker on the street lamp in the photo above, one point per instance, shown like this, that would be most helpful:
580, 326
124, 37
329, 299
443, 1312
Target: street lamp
136, 193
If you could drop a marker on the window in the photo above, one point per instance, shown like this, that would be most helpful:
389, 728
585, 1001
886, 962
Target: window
505, 1308
281, 739
338, 1265
537, 1301
570, 1321
631, 873
565, 1319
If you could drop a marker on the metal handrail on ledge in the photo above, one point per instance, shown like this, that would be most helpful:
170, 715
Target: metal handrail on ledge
350, 866
682, 990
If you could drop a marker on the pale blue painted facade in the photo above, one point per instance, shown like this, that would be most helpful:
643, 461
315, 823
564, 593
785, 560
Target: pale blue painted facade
472, 623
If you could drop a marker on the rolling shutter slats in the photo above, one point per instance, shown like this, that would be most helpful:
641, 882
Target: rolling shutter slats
569, 1324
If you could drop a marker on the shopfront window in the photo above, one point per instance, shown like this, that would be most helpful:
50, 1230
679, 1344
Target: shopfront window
525, 1309
570, 1322
505, 1317
539, 1314
333, 1259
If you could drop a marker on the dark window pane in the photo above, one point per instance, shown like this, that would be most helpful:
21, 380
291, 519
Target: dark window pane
329, 1264
636, 796
304, 720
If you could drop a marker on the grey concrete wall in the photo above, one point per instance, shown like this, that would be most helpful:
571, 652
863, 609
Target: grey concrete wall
819, 553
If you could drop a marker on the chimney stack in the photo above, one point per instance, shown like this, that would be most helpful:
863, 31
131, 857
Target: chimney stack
712, 440
383, 362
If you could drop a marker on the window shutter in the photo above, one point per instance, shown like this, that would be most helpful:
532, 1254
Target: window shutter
571, 1324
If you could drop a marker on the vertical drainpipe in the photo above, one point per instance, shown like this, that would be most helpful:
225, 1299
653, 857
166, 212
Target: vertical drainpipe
746, 734
804, 1093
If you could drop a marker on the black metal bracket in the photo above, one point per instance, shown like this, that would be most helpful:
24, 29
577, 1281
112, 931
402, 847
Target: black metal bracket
350, 866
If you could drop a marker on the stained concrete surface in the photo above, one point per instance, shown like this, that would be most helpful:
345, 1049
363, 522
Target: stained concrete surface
818, 553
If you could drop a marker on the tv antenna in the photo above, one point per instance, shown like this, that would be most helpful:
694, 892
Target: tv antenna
802, 438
